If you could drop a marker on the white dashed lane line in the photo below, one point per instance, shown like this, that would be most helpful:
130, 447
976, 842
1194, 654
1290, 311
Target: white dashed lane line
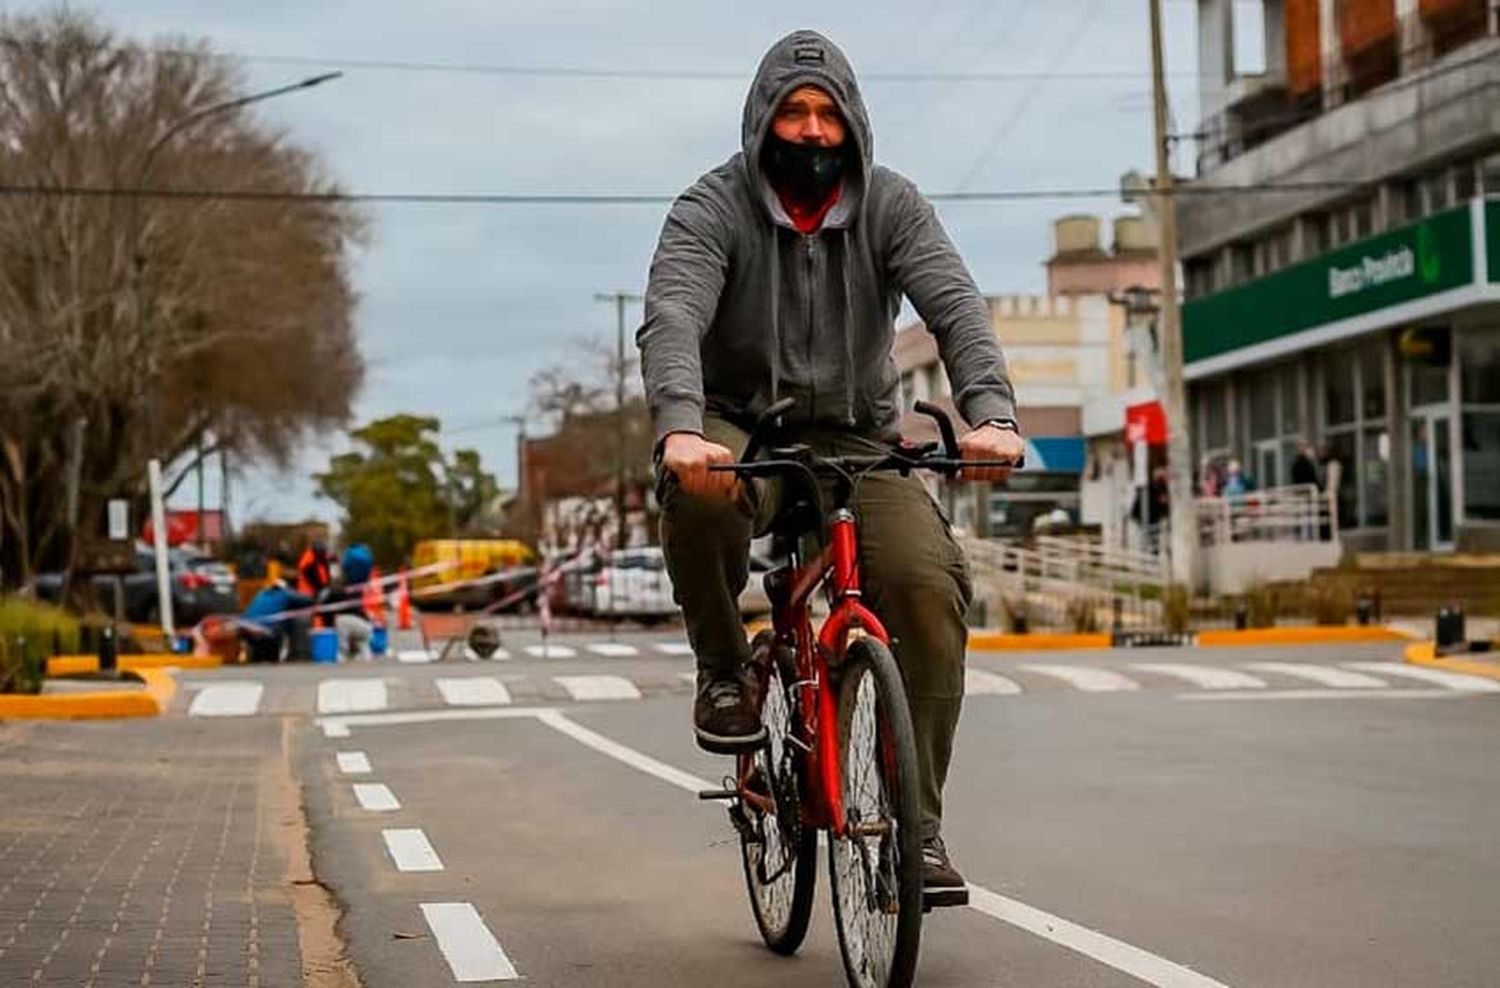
410, 850
674, 648
979, 682
1324, 675
598, 687
1452, 680
613, 650
471, 950
1086, 678
414, 656
343, 696
227, 700
375, 797
473, 691
353, 763
550, 651
1208, 677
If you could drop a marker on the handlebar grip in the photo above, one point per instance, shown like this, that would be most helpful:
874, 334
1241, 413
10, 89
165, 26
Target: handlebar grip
944, 424
762, 422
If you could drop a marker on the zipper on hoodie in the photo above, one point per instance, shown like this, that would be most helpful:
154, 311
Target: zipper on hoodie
809, 242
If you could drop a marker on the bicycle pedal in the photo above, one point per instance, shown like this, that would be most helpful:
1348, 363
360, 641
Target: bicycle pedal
707, 794
944, 898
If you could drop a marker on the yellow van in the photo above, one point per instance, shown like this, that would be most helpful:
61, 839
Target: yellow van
471, 559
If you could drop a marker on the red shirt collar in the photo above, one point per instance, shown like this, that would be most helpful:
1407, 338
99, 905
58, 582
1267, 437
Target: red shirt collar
807, 218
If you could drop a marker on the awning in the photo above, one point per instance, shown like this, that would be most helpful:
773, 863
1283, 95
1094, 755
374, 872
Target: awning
1055, 454
1145, 423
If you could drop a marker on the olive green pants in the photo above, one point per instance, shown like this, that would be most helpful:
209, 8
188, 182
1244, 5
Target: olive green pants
913, 574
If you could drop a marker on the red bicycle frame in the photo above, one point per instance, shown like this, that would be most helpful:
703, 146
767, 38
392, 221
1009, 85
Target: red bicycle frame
837, 570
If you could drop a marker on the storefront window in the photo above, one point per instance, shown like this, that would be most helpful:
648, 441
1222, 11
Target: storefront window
1354, 405
1481, 463
1372, 381
1262, 398
1479, 366
1211, 412
1341, 448
1374, 476
1489, 174
1338, 389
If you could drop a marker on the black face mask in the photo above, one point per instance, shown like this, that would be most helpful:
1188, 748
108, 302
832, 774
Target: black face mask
805, 172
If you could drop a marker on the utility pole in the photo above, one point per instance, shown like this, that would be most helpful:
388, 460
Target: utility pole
619, 299
1182, 506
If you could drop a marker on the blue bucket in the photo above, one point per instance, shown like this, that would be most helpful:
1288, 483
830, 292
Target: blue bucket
378, 640
325, 645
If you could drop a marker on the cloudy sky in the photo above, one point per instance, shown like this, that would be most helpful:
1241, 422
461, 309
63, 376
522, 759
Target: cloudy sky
462, 303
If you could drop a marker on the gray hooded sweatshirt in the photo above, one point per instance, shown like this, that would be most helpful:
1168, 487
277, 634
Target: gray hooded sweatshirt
742, 309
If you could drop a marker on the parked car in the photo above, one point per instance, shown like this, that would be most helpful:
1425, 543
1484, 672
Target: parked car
201, 585
632, 583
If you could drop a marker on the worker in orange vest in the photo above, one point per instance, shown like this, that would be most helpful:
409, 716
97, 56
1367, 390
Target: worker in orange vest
313, 575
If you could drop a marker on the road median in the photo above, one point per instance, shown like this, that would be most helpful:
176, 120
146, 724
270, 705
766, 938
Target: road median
152, 699
1425, 654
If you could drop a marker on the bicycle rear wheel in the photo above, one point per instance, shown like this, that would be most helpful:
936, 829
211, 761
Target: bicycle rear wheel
876, 868
780, 855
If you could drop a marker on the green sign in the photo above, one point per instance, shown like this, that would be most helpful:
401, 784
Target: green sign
1400, 265
1492, 238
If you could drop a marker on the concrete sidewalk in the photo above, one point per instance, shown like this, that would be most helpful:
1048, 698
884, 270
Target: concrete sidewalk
156, 852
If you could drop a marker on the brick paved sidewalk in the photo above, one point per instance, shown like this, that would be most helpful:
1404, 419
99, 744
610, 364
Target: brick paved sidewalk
146, 853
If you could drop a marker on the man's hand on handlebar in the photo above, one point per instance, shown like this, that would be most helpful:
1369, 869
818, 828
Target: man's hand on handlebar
991, 442
688, 456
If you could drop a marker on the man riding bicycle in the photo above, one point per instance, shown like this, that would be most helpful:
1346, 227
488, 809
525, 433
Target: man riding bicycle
780, 274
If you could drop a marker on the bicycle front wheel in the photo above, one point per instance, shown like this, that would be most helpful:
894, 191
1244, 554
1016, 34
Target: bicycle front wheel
780, 854
875, 867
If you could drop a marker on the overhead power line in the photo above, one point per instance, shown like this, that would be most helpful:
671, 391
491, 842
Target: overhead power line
610, 199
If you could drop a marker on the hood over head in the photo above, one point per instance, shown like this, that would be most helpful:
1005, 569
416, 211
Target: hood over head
807, 58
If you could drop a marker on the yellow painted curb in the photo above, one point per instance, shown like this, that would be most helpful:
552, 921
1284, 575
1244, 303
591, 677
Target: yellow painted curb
1315, 635
149, 702
995, 641
83, 665
1425, 654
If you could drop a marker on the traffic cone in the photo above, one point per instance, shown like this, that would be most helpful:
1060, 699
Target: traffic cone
403, 604
372, 600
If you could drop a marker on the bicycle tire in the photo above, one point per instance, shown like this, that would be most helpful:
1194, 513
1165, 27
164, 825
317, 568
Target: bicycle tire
783, 906
877, 888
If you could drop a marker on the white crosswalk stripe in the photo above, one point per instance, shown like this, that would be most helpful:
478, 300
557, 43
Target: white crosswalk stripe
613, 649
410, 850
1462, 682
416, 656
227, 700
551, 651
1328, 676
598, 687
1208, 677
353, 762
1086, 678
980, 682
674, 648
473, 691
344, 696
375, 797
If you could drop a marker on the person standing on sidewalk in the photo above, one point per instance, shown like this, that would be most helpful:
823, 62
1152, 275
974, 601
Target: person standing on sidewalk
780, 274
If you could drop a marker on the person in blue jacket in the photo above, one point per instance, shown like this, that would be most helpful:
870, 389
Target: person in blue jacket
265, 626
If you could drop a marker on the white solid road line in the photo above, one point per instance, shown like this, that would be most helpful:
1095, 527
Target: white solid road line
598, 687
980, 682
410, 850
375, 797
342, 724
1090, 679
674, 648
1325, 675
471, 950
227, 700
613, 649
473, 691
1452, 680
1208, 677
353, 763
342, 696
415, 656
1121, 956
550, 651
1328, 694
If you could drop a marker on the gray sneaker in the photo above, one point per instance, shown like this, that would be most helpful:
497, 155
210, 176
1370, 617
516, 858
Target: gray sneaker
942, 885
725, 719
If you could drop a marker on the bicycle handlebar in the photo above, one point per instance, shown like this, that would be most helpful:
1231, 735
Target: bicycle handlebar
896, 460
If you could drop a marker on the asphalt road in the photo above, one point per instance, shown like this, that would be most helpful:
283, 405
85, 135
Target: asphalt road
1192, 828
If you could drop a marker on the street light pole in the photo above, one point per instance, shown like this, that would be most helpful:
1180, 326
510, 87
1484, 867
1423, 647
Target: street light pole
1182, 507
147, 329
619, 299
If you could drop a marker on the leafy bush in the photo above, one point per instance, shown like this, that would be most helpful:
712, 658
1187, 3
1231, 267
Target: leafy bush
1017, 613
1329, 603
1176, 608
1262, 604
29, 632
1083, 616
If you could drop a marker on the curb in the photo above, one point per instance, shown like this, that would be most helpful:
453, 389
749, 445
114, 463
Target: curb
997, 641
1425, 654
152, 701
85, 665
1314, 635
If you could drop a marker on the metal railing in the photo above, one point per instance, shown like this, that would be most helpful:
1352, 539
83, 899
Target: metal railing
1065, 583
1299, 513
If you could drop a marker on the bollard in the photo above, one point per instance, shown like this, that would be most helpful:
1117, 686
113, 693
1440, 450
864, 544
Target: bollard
1241, 616
107, 648
1117, 619
1450, 630
1364, 608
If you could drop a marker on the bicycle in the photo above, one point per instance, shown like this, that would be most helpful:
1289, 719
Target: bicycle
840, 755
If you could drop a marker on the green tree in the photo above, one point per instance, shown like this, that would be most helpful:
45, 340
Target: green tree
399, 488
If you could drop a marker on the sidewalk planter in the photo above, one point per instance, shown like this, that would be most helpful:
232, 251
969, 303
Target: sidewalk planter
150, 701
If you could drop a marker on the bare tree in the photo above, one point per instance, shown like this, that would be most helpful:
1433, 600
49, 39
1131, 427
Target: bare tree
156, 319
